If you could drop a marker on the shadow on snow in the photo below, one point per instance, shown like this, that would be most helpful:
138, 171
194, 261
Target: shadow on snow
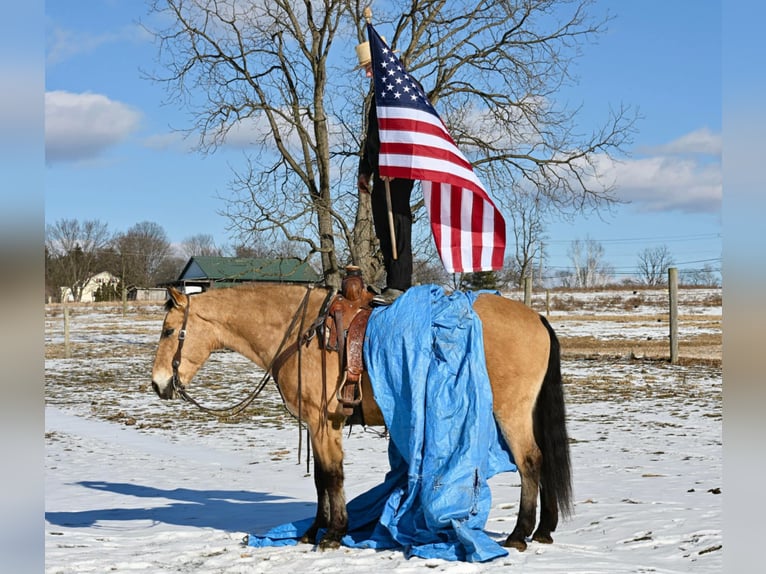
228, 510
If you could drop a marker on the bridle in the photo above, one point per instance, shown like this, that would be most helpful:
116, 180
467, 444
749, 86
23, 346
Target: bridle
237, 409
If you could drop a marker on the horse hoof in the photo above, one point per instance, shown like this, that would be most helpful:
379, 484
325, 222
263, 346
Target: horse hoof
310, 536
329, 544
543, 538
519, 545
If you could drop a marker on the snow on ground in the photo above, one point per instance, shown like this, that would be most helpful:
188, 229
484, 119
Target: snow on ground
135, 484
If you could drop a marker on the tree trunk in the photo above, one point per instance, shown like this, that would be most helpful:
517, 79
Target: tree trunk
364, 241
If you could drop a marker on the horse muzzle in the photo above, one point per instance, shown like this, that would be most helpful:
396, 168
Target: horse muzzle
167, 391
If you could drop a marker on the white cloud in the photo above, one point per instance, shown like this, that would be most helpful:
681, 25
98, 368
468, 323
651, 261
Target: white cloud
177, 141
81, 126
64, 44
701, 141
683, 175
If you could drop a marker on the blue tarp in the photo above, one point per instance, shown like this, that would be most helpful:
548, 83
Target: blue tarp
425, 358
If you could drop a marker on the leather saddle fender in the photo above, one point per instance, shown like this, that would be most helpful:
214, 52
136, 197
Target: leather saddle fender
344, 329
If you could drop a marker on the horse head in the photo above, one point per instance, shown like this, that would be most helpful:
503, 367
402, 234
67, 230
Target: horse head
183, 348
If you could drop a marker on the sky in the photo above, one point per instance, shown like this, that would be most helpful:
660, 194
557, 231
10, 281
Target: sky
112, 153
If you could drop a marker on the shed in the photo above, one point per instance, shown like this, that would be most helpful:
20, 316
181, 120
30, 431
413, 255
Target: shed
205, 272
147, 294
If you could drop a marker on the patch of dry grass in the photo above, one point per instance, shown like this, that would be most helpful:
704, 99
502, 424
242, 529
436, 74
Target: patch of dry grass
705, 346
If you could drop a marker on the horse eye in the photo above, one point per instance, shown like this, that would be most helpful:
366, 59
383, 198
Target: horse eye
168, 332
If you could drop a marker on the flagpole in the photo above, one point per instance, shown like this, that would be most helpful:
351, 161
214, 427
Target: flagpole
368, 17
394, 254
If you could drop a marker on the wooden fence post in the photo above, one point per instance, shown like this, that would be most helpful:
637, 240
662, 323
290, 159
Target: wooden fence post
673, 296
547, 302
528, 291
67, 348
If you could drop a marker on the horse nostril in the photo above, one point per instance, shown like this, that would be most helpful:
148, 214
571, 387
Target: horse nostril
156, 388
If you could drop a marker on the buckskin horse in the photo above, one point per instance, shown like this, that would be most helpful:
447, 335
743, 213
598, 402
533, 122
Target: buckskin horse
274, 326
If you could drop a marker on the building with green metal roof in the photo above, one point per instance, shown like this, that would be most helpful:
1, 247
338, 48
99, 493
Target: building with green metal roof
203, 273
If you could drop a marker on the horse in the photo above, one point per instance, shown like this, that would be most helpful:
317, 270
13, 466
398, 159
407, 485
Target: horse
266, 322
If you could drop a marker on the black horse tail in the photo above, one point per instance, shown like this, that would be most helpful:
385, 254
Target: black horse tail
551, 431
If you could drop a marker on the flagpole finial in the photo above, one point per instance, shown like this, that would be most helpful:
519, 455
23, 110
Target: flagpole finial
367, 13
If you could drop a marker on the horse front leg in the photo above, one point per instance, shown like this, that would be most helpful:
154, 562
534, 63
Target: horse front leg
322, 518
328, 479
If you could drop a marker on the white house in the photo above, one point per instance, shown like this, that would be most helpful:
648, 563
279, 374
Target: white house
91, 286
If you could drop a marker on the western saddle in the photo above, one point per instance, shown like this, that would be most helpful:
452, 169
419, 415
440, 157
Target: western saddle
340, 327
344, 328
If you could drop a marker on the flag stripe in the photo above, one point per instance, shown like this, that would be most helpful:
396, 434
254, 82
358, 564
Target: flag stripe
416, 129
430, 168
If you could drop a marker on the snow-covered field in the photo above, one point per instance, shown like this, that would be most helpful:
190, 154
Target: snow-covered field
135, 484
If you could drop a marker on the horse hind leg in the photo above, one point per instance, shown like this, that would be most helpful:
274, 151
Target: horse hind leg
549, 504
532, 469
549, 517
529, 462
549, 512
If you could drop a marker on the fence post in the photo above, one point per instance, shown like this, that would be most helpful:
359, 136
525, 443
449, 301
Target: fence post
67, 348
673, 296
528, 291
547, 302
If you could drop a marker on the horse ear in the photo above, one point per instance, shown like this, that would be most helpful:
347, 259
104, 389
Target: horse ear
176, 298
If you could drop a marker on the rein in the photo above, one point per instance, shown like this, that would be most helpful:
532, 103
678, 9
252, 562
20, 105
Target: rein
237, 409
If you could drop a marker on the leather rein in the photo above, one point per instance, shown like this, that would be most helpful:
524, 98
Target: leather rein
237, 409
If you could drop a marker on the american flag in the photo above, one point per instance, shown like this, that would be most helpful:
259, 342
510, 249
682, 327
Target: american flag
469, 231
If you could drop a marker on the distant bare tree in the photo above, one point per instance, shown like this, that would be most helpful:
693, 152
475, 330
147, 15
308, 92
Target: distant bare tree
259, 246
588, 266
73, 250
707, 276
201, 244
430, 271
145, 251
526, 214
261, 75
653, 264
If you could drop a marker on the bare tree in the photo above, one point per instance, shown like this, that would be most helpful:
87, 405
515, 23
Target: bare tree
653, 264
278, 76
526, 214
258, 247
73, 251
201, 244
588, 266
706, 276
145, 253
430, 271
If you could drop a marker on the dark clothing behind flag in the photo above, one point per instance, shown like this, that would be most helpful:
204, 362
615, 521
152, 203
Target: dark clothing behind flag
468, 229
398, 271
